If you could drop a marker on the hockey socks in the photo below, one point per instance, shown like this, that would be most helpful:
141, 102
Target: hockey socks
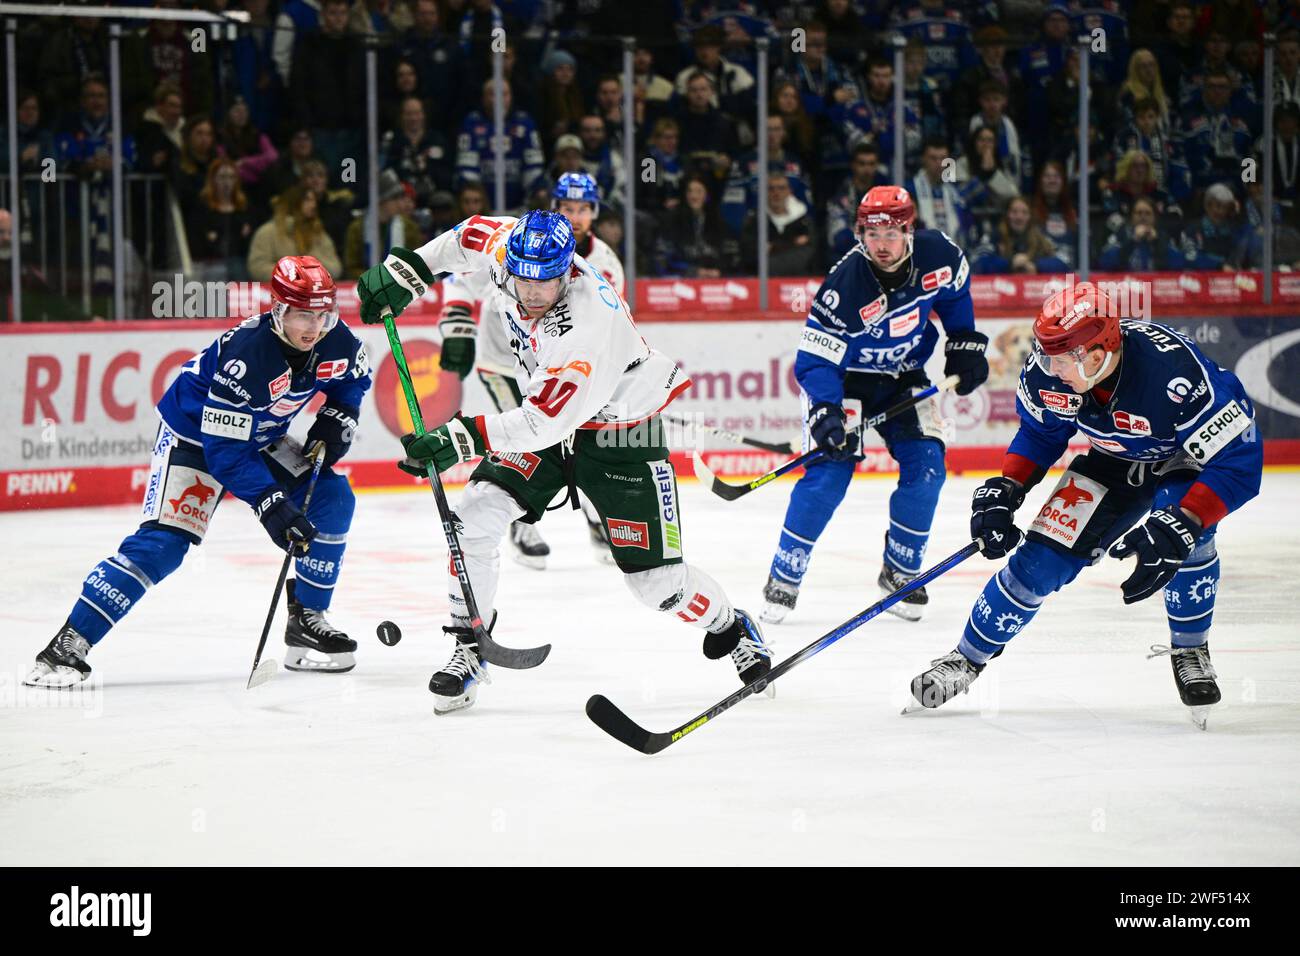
110, 590
1189, 597
1003, 609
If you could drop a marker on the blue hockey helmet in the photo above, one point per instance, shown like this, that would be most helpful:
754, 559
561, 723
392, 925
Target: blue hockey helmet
577, 186
540, 246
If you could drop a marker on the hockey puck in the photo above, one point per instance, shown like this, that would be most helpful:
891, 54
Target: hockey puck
388, 632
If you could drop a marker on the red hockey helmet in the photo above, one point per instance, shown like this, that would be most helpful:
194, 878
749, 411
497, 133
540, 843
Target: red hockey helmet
301, 282
1072, 323
886, 206
888, 213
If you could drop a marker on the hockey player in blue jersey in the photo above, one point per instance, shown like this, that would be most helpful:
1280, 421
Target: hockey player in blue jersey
1174, 451
863, 349
223, 428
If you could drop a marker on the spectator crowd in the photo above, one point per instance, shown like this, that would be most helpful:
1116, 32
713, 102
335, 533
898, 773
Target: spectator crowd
255, 136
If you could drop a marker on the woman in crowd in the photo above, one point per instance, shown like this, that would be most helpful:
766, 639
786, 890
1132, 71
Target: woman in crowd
1053, 210
295, 229
221, 226
1018, 245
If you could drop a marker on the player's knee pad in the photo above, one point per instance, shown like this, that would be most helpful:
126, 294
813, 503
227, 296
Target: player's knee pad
685, 591
332, 504
485, 511
921, 471
823, 485
155, 551
1037, 570
920, 463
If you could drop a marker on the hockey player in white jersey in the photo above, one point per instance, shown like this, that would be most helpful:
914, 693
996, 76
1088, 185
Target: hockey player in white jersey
589, 421
485, 348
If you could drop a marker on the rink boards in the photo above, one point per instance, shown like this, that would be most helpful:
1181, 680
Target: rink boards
80, 398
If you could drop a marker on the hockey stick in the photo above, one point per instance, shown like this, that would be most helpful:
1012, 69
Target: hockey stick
264, 670
784, 448
492, 652
618, 725
732, 492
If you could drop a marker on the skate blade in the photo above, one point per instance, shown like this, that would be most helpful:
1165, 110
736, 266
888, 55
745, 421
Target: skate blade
448, 705
1200, 715
307, 661
262, 673
56, 678
536, 563
913, 708
908, 612
773, 613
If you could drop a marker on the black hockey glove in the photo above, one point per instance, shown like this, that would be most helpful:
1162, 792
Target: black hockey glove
964, 353
826, 425
457, 330
284, 520
1161, 544
992, 519
336, 426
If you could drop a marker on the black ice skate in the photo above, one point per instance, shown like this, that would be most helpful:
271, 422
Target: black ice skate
909, 608
315, 645
530, 549
947, 677
779, 598
455, 686
743, 642
63, 662
1195, 678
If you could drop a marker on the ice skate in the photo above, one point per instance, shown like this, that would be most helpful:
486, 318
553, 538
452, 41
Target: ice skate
455, 685
778, 601
529, 548
313, 644
743, 642
909, 608
63, 662
947, 677
1195, 678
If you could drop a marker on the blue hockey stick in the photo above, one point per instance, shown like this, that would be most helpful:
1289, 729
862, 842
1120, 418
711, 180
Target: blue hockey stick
618, 725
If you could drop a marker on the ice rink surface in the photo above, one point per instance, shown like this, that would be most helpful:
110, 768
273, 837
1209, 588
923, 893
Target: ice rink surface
1072, 748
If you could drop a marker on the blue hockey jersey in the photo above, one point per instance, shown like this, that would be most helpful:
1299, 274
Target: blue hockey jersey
855, 326
239, 395
1169, 400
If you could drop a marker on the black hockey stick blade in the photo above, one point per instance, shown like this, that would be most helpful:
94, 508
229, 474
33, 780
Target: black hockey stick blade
623, 728
605, 715
732, 492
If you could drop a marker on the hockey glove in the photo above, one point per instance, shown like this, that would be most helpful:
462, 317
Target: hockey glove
283, 520
964, 353
1161, 544
392, 285
336, 426
826, 425
446, 445
992, 519
457, 330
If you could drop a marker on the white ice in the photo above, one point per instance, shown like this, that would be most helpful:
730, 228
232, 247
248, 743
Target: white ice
1071, 749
